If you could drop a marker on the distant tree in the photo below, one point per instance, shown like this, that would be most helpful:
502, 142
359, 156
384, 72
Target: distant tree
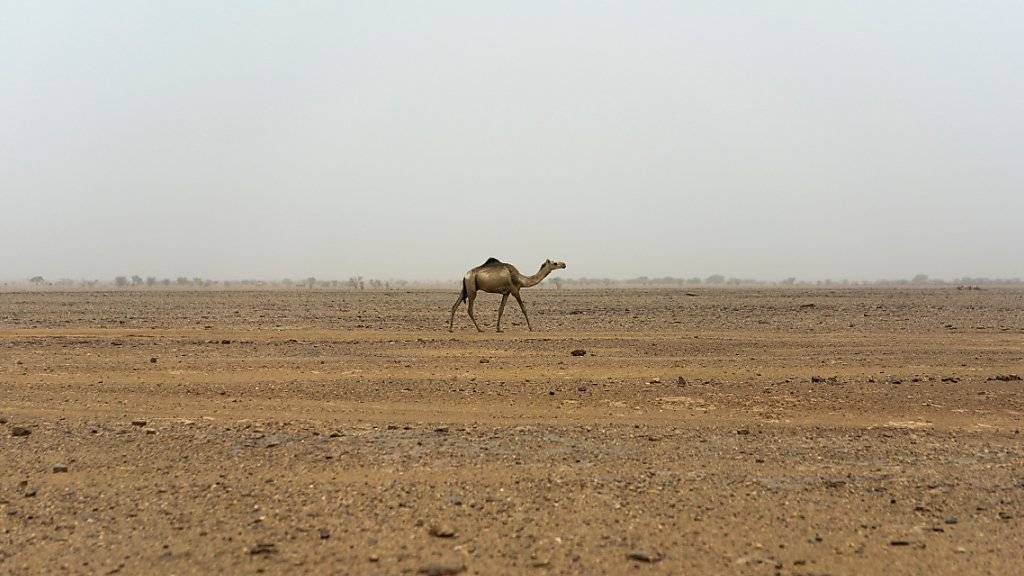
714, 279
182, 281
136, 280
151, 281
788, 281
356, 282
197, 281
310, 282
557, 282
287, 282
121, 281
920, 279
37, 280
166, 282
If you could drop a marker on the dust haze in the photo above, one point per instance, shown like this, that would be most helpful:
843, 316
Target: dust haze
401, 140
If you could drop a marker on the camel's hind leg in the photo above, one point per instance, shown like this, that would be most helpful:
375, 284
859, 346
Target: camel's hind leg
501, 308
472, 297
451, 321
523, 308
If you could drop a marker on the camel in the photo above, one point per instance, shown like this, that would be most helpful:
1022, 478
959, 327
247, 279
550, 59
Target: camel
497, 277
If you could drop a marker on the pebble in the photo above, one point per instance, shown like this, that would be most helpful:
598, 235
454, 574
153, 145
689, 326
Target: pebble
484, 361
19, 431
579, 352
441, 429
644, 556
442, 569
150, 431
263, 548
139, 422
324, 534
952, 520
59, 468
442, 531
152, 360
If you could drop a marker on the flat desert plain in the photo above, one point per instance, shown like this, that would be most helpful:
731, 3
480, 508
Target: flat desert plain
764, 431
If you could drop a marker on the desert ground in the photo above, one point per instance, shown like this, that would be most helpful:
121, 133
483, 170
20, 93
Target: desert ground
709, 431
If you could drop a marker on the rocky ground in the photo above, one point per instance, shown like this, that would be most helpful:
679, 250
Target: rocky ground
711, 431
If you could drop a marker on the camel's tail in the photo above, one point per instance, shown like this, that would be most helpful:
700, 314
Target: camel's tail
465, 294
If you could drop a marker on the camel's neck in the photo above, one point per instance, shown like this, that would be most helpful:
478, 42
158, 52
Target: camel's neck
541, 274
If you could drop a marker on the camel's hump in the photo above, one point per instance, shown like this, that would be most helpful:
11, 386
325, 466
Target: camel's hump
491, 261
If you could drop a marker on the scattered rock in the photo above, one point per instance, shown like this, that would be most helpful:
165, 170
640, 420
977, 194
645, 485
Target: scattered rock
899, 543
139, 423
60, 468
806, 306
654, 381
152, 360
441, 531
952, 520
952, 379
442, 429
19, 431
229, 341
150, 430
485, 361
579, 352
681, 381
441, 569
324, 534
1006, 377
743, 432
644, 556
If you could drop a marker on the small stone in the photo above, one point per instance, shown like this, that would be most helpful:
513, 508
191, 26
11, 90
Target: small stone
441, 569
19, 431
442, 429
899, 543
373, 558
681, 381
152, 360
139, 423
60, 468
952, 520
441, 531
324, 534
539, 563
579, 352
484, 361
743, 432
263, 548
229, 341
150, 431
644, 556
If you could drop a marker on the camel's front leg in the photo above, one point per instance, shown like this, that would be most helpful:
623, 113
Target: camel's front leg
523, 308
501, 308
472, 297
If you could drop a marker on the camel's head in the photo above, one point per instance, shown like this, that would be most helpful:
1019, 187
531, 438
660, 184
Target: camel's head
553, 265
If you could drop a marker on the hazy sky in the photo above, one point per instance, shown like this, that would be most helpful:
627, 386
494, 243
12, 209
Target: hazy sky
415, 139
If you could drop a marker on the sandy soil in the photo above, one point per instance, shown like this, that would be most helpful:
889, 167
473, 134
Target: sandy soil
729, 431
